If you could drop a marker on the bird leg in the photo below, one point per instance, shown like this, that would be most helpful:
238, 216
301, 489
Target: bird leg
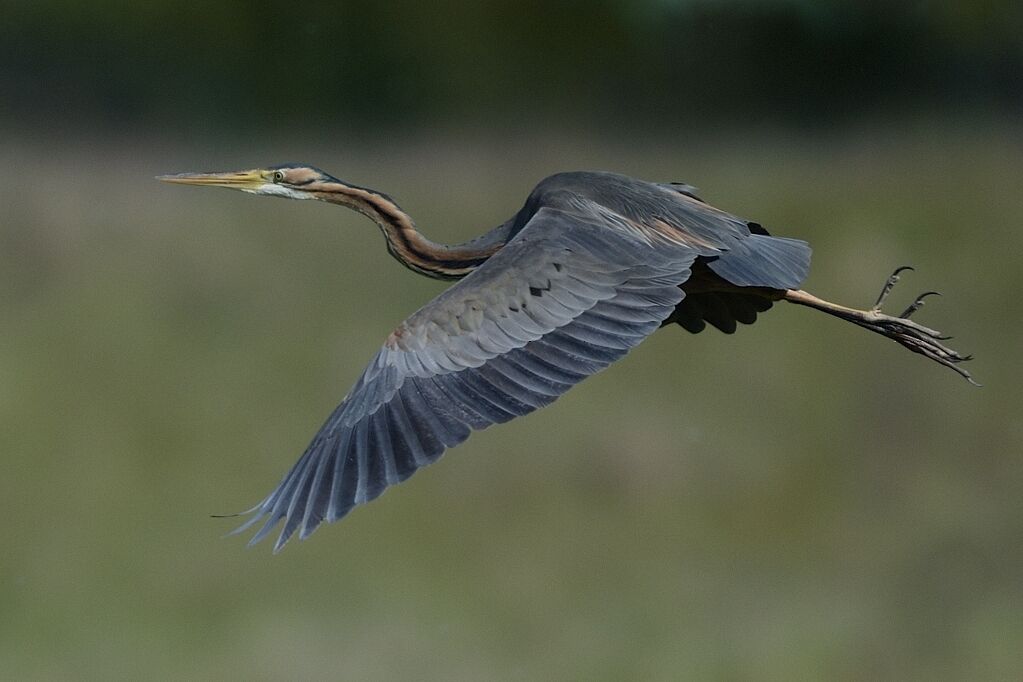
901, 329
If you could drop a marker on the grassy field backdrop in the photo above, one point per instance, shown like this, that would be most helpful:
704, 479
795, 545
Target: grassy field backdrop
802, 500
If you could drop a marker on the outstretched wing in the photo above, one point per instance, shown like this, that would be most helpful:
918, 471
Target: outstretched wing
562, 300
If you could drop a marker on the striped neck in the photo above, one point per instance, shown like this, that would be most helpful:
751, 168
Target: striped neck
404, 241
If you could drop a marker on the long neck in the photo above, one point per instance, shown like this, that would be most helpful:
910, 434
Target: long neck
406, 243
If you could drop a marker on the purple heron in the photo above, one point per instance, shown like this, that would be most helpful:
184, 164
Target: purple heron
591, 265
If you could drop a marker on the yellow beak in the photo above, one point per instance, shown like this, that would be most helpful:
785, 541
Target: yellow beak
250, 179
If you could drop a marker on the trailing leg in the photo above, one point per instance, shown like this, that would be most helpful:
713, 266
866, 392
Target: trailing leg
901, 329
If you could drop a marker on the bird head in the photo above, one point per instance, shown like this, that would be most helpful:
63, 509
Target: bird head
291, 181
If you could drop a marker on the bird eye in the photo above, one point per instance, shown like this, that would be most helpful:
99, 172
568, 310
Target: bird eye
278, 176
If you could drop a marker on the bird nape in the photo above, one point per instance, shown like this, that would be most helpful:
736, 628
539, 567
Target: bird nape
591, 265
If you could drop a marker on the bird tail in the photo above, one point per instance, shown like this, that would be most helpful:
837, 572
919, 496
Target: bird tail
764, 261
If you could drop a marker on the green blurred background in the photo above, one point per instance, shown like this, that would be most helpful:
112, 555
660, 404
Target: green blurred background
801, 500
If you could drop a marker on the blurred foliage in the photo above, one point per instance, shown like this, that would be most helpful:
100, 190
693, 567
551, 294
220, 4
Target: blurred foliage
247, 65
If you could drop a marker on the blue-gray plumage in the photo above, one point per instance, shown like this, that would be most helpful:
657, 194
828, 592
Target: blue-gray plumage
590, 266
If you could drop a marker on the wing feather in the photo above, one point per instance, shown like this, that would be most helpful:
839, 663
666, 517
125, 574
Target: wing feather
561, 301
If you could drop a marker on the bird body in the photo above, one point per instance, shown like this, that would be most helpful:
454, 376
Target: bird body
591, 265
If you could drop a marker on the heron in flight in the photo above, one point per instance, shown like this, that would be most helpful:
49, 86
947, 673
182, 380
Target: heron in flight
591, 265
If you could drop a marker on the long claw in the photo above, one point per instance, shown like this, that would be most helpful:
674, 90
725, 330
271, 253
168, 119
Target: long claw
917, 304
887, 289
919, 340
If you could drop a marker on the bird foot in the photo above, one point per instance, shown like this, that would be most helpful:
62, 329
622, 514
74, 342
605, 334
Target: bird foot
901, 329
